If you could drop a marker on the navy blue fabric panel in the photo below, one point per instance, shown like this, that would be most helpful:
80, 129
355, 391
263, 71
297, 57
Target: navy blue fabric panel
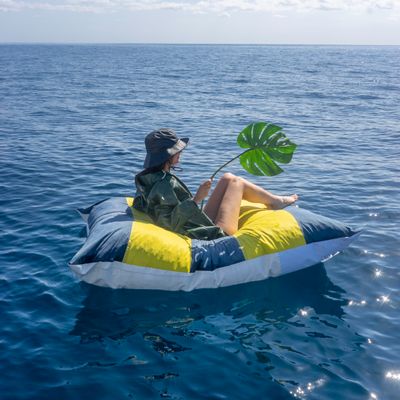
115, 206
208, 255
87, 210
317, 228
110, 224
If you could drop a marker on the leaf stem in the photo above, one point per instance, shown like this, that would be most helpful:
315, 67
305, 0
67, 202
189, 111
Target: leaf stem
223, 166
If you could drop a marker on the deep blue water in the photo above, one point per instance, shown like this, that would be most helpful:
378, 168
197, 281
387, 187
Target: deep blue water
72, 123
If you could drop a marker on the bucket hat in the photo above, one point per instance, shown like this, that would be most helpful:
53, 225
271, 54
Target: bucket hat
161, 145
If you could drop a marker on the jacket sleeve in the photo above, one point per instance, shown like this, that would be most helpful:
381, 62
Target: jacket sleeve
183, 217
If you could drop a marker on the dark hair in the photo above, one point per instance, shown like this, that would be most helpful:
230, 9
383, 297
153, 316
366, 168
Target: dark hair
150, 170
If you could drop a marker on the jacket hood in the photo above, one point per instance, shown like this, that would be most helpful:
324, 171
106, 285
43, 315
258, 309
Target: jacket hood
144, 183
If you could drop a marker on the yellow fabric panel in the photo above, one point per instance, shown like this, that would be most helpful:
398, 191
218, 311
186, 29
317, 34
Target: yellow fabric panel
262, 231
152, 246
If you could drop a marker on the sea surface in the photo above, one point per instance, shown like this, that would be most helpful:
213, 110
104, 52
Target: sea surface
72, 123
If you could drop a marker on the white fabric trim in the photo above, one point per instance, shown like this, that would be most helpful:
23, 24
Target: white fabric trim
313, 253
118, 275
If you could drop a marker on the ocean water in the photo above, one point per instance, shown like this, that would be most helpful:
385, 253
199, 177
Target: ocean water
72, 123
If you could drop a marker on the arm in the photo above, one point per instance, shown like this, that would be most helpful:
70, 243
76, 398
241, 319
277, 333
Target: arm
202, 191
184, 216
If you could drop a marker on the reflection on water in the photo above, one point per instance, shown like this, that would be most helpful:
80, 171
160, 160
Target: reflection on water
239, 324
119, 313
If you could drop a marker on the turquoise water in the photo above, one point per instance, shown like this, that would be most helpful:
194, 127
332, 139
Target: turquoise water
72, 123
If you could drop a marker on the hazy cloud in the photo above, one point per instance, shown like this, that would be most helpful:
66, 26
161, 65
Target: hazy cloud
222, 7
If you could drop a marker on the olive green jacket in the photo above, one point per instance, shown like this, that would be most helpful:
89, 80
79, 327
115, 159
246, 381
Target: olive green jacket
167, 200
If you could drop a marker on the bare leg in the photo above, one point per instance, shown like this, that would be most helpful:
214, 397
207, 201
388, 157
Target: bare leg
223, 206
214, 202
251, 192
228, 213
256, 194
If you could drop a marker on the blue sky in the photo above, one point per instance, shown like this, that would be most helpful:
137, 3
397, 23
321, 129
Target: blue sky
202, 21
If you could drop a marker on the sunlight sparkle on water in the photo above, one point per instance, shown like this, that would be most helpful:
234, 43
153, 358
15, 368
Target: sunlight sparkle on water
300, 392
355, 303
383, 299
381, 255
378, 273
393, 375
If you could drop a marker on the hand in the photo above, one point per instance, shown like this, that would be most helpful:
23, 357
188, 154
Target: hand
203, 191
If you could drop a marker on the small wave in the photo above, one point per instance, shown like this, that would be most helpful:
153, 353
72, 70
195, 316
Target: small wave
368, 97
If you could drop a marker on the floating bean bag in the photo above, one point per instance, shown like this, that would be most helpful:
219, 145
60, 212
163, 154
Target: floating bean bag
124, 249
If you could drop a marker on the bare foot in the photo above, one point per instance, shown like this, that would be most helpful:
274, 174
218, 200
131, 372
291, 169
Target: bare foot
284, 201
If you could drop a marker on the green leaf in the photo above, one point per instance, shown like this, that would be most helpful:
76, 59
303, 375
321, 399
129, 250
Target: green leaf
266, 145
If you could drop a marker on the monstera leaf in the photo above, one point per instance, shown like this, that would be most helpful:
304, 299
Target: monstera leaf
266, 145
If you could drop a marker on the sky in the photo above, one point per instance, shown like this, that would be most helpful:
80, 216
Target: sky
358, 22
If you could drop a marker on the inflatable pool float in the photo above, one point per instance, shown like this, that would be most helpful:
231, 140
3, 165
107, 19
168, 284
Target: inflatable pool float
124, 249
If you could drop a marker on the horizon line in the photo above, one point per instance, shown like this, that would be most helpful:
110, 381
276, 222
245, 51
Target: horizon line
190, 43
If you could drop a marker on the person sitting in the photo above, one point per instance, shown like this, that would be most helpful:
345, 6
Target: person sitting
170, 204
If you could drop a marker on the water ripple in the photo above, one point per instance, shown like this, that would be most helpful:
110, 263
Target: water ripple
72, 123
